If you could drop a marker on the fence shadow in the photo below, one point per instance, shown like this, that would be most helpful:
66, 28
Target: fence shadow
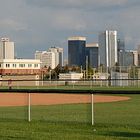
122, 134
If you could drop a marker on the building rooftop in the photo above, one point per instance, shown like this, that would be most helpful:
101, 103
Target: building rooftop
92, 45
20, 60
77, 38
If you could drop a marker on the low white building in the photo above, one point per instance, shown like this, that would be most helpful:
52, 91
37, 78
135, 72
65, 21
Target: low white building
70, 76
100, 76
119, 79
101, 79
19, 66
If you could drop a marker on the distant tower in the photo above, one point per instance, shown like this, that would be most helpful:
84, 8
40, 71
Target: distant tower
121, 52
108, 48
92, 51
61, 56
76, 51
138, 55
47, 58
131, 58
6, 49
136, 61
58, 55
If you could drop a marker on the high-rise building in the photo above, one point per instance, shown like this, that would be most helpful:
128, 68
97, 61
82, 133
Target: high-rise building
92, 52
130, 58
108, 48
76, 51
61, 56
47, 58
138, 55
135, 53
6, 49
58, 55
121, 52
50, 58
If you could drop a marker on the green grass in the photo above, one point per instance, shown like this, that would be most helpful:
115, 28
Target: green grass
113, 121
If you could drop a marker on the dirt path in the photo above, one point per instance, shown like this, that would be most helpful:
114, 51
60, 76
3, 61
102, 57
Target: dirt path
21, 99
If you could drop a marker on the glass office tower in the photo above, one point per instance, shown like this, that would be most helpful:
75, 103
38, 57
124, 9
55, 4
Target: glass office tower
76, 51
92, 51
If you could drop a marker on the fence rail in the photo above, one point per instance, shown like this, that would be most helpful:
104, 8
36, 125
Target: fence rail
73, 84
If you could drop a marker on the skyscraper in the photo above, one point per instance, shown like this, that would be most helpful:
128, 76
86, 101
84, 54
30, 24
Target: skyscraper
76, 51
58, 55
121, 52
136, 61
108, 48
92, 51
6, 49
47, 58
61, 57
131, 58
138, 49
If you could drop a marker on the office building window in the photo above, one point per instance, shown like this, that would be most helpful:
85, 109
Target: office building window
21, 65
7, 65
35, 65
29, 65
14, 65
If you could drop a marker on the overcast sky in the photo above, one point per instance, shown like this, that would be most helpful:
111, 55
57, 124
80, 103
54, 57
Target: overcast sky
39, 24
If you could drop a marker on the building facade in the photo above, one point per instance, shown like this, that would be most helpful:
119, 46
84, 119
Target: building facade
136, 61
76, 51
108, 48
6, 49
70, 76
9, 66
19, 67
122, 79
47, 59
58, 55
92, 51
50, 58
130, 58
121, 52
138, 49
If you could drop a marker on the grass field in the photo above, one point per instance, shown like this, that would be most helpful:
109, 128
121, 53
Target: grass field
113, 121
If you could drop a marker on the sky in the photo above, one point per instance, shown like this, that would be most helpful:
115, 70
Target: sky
40, 24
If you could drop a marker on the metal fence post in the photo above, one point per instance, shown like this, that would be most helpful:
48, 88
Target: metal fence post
29, 107
92, 107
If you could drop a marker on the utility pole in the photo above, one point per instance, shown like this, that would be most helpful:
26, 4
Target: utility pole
87, 67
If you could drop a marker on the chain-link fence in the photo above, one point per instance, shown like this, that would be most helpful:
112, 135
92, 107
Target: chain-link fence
13, 106
88, 108
48, 107
69, 84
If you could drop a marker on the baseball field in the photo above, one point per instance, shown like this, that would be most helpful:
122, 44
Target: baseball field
68, 117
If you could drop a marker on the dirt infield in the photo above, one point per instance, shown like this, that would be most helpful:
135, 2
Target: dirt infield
21, 99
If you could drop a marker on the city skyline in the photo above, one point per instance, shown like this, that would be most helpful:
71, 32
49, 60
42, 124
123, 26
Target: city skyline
35, 25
